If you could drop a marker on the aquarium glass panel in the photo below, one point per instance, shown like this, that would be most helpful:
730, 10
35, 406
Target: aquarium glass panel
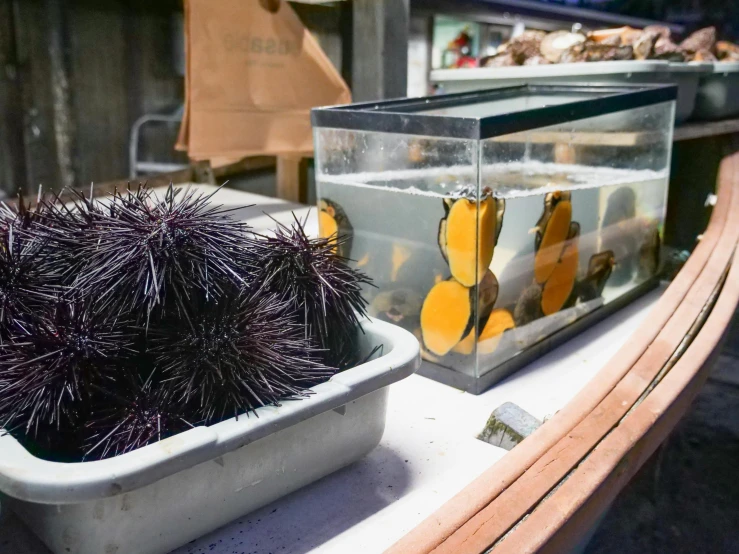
584, 206
491, 251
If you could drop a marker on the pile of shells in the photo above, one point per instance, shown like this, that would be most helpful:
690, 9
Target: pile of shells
654, 42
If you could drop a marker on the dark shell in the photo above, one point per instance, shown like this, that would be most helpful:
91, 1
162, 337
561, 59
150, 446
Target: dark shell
528, 307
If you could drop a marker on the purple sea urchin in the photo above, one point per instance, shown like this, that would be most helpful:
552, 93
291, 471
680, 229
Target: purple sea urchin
321, 289
26, 281
66, 226
51, 362
149, 248
137, 414
125, 320
236, 353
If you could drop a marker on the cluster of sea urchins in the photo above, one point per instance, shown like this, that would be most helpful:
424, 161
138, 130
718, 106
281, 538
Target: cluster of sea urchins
131, 318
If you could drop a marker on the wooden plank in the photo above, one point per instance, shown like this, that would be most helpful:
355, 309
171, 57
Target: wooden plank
567, 516
488, 526
85, 71
616, 477
102, 88
324, 23
291, 179
570, 512
64, 128
108, 187
12, 157
34, 74
188, 175
525, 10
379, 49
154, 84
692, 131
122, 57
253, 163
501, 515
584, 138
420, 35
690, 185
683, 133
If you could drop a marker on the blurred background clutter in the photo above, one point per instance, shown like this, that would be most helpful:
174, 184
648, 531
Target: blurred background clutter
95, 90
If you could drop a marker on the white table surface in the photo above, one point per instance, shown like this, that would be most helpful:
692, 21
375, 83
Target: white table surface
429, 450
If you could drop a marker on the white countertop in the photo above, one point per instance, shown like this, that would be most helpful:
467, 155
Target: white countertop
429, 450
428, 453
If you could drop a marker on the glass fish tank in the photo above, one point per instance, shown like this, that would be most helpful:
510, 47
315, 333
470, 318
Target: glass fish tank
497, 224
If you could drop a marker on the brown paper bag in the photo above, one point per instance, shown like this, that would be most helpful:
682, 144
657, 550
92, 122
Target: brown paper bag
253, 74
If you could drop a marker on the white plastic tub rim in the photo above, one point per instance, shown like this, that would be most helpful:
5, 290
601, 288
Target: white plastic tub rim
577, 69
700, 68
723, 69
27, 478
687, 76
718, 93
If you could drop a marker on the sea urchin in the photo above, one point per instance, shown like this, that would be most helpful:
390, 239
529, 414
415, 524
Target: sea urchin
233, 354
52, 361
26, 280
138, 413
322, 290
150, 248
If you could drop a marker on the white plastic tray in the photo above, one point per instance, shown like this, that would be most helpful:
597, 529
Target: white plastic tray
685, 75
166, 494
718, 93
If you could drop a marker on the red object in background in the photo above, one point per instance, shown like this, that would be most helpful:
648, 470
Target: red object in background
465, 61
462, 45
463, 40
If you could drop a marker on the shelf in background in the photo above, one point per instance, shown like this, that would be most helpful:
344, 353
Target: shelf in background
691, 131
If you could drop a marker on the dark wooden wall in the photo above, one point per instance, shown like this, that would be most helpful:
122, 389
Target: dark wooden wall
76, 74
331, 25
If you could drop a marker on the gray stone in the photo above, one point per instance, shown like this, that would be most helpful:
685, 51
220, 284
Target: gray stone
508, 425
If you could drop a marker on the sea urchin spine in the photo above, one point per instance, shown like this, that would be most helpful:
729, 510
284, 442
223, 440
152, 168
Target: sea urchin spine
322, 290
235, 354
51, 362
150, 249
140, 413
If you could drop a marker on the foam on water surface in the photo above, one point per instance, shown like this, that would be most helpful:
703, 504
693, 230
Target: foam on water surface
507, 180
